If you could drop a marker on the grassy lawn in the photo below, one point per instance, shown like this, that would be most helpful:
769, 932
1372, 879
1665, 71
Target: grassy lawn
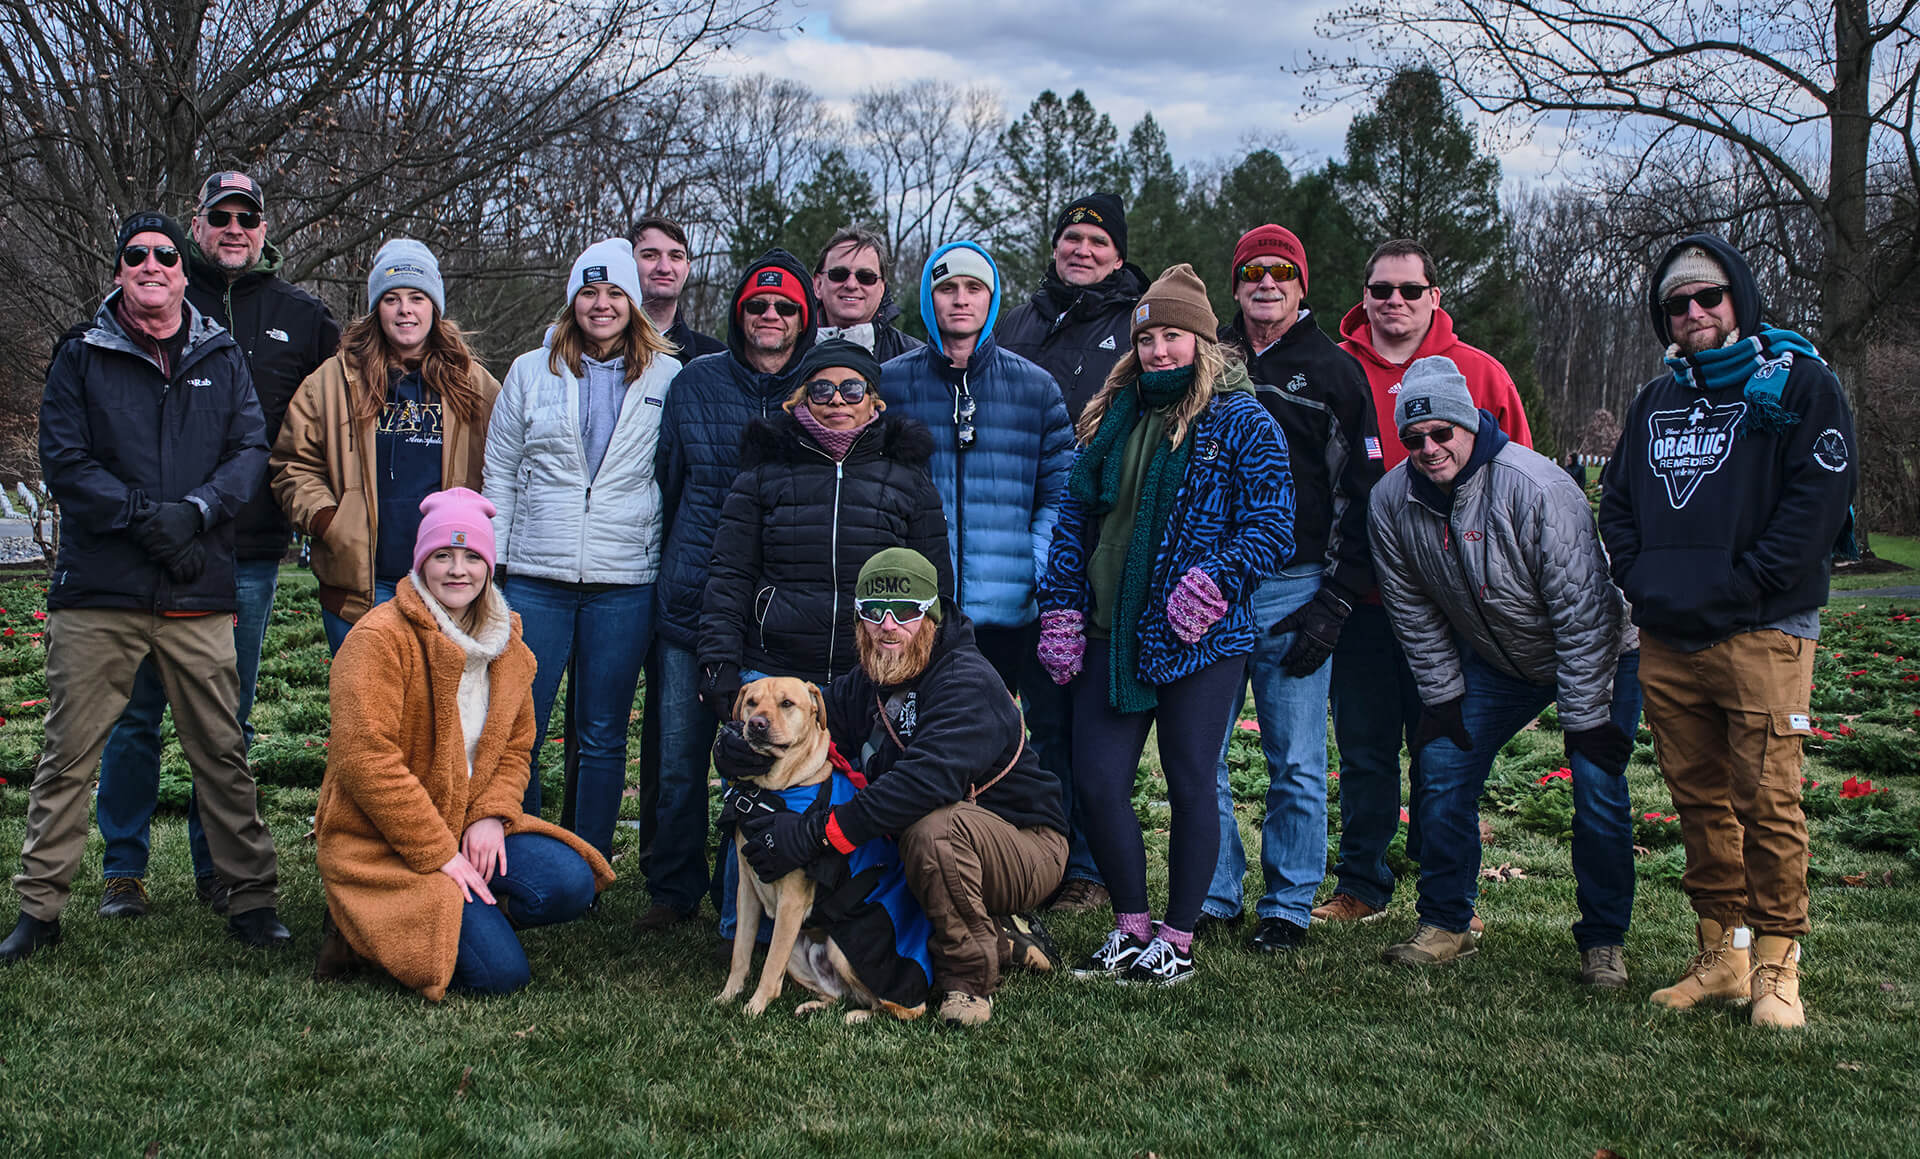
162, 1037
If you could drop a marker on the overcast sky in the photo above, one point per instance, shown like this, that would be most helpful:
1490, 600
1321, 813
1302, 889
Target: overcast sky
1214, 76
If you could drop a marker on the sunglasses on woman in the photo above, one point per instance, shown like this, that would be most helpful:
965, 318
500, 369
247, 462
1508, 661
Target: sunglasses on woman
839, 274
1252, 272
820, 391
1411, 291
759, 306
1708, 299
1440, 437
218, 219
135, 256
904, 612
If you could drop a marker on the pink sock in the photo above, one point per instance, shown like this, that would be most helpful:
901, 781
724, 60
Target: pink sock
1181, 940
1133, 925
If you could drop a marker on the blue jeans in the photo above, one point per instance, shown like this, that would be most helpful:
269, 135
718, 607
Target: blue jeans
1375, 707
1496, 707
546, 883
677, 870
338, 628
130, 764
1293, 734
606, 632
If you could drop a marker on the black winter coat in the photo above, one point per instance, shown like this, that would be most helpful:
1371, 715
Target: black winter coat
286, 333
115, 434
960, 728
689, 343
795, 532
1076, 333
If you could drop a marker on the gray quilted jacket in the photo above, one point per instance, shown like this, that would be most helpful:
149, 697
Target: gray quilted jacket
1515, 569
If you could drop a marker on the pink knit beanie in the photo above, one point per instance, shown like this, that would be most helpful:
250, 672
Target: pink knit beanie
456, 517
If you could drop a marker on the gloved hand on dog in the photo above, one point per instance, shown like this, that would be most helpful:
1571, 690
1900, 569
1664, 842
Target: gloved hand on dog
719, 686
736, 760
778, 843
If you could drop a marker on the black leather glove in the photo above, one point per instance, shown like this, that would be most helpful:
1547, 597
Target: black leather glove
719, 685
166, 533
736, 760
1606, 746
1442, 720
1318, 623
778, 843
188, 565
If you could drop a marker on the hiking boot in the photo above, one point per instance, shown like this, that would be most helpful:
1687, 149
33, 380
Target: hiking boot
964, 1010
1431, 946
1026, 945
1276, 936
1114, 955
1344, 907
660, 916
1079, 896
1160, 964
1775, 983
125, 897
1604, 967
29, 934
261, 929
1719, 971
211, 891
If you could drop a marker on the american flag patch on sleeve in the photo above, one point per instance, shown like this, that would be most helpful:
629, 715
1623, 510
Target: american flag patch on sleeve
1373, 447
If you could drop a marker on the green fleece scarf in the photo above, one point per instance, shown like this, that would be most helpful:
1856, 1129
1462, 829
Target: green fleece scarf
1095, 482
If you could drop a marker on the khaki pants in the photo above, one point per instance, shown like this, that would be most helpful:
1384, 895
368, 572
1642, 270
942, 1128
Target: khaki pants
967, 866
92, 655
1728, 723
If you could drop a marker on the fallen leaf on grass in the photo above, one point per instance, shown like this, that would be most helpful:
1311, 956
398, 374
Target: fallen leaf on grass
1888, 987
1850, 1066
153, 1149
466, 1077
1857, 880
1486, 832
1641, 851
1503, 873
527, 1031
1603, 1153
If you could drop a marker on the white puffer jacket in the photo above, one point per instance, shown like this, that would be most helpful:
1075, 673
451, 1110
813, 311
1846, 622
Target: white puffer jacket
553, 522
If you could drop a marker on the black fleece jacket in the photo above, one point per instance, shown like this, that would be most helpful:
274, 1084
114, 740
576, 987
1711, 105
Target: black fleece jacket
1075, 333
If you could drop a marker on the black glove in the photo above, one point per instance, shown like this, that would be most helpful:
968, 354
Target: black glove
167, 532
1605, 745
734, 759
188, 565
719, 685
1318, 622
1442, 720
778, 843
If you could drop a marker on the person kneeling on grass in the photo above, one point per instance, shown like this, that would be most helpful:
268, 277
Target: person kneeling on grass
1493, 576
929, 723
1180, 503
428, 860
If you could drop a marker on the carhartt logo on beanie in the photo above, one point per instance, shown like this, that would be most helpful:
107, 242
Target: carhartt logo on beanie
1434, 388
899, 573
456, 517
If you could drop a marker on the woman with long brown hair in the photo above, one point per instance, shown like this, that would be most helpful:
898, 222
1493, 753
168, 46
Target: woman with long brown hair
399, 413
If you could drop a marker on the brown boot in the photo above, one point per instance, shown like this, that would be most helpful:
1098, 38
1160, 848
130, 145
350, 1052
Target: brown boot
1719, 971
1775, 983
337, 959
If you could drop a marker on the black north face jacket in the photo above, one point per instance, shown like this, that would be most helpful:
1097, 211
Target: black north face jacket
1075, 333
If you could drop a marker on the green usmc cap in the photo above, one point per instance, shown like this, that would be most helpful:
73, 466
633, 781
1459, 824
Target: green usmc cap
900, 573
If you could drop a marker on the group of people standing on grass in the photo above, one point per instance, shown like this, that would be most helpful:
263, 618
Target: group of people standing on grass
1006, 553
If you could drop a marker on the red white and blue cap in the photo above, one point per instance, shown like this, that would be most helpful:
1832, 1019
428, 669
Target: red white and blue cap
231, 183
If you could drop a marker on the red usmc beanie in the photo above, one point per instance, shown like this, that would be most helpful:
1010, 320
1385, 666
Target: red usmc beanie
1269, 239
774, 280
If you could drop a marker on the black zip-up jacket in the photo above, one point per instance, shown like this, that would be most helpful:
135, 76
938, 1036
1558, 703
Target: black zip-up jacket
116, 434
960, 728
1075, 333
1719, 530
689, 343
889, 341
1319, 395
794, 534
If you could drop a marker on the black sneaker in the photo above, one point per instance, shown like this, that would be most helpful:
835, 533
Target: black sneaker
211, 891
1276, 936
261, 929
1158, 965
1032, 946
29, 934
125, 897
1115, 954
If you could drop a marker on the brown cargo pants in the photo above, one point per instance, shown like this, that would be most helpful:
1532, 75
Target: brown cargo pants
92, 655
968, 866
1728, 723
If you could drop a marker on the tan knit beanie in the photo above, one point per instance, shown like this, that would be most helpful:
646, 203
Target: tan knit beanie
1177, 298
1693, 264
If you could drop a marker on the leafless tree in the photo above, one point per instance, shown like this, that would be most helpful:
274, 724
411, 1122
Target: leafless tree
925, 144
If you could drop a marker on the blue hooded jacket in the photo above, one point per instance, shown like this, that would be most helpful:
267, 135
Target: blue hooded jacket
1002, 493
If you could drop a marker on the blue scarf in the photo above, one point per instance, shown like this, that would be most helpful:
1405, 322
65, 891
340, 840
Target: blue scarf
1762, 363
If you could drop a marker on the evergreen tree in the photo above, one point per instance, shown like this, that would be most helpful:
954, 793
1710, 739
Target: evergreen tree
1261, 189
836, 195
1056, 151
1161, 227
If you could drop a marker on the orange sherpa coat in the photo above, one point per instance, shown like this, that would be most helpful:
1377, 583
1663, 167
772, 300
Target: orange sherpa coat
397, 795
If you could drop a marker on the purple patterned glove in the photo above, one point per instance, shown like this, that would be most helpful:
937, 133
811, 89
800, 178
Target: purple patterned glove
1195, 605
1063, 643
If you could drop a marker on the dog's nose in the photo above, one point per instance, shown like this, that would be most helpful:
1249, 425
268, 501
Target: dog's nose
758, 724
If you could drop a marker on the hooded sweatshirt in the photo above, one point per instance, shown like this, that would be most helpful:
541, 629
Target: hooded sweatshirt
1487, 381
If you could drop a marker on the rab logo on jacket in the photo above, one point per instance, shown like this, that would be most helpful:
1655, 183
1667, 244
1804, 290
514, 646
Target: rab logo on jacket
1691, 443
199, 382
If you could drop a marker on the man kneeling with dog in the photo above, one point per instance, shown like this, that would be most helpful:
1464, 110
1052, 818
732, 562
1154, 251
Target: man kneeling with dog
943, 749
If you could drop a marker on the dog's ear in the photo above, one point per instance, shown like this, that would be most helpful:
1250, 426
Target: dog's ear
819, 706
740, 698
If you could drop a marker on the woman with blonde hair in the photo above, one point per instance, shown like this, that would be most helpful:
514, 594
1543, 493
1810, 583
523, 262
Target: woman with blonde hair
1179, 503
570, 470
399, 413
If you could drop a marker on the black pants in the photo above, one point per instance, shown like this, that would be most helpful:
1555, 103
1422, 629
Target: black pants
1194, 714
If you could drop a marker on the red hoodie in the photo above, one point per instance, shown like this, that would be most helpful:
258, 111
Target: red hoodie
1488, 381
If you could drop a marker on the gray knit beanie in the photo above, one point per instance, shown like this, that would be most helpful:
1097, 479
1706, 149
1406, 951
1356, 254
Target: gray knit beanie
1434, 388
405, 264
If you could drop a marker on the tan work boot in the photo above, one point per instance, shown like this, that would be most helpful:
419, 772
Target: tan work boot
1344, 907
958, 1009
1775, 983
1431, 946
1719, 971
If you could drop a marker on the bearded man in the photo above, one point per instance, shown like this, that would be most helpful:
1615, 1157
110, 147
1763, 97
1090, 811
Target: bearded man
929, 723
